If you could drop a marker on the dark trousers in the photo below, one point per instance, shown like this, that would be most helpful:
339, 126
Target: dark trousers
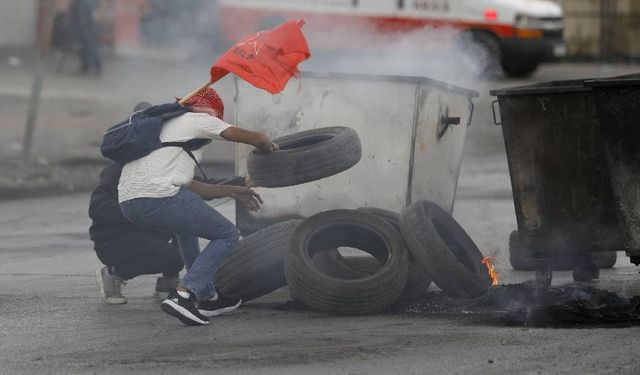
89, 53
135, 254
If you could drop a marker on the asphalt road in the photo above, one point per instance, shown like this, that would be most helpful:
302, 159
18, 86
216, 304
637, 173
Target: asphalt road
53, 321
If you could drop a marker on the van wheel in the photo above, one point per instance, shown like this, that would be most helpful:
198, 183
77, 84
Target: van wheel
324, 292
480, 53
306, 156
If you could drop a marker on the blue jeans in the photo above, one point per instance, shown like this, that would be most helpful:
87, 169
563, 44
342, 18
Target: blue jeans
188, 217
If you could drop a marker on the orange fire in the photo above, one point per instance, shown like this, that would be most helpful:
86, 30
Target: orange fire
493, 274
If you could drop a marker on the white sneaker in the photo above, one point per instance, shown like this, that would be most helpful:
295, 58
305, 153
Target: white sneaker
110, 287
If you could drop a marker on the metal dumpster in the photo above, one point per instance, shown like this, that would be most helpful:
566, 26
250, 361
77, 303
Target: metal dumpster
617, 102
559, 177
412, 132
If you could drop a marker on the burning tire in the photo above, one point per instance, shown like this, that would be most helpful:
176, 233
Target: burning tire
521, 259
335, 295
306, 156
444, 250
256, 267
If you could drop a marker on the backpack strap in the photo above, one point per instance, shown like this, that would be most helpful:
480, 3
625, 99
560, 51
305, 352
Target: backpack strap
188, 147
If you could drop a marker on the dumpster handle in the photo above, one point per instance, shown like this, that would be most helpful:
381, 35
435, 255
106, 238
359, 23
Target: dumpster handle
445, 122
493, 111
471, 108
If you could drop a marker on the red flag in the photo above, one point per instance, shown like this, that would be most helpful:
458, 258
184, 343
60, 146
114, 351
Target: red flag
267, 59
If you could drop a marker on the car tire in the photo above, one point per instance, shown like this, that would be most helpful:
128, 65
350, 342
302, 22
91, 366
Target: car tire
480, 53
355, 267
306, 156
256, 266
335, 264
418, 280
330, 230
444, 250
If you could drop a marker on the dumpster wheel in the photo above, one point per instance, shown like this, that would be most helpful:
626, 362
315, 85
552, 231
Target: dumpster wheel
585, 269
544, 275
521, 259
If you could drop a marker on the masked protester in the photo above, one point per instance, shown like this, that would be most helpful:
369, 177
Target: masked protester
157, 191
127, 250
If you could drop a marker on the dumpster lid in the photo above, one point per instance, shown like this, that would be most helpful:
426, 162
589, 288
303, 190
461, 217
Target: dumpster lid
550, 87
623, 80
406, 79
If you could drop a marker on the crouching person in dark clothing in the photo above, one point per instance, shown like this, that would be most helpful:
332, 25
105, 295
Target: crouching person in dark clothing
126, 249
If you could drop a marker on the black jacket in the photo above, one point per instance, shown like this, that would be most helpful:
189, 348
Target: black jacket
104, 210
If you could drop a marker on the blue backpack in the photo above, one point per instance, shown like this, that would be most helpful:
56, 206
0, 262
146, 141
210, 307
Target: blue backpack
139, 135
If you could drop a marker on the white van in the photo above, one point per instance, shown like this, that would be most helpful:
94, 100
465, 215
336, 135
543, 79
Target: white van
515, 35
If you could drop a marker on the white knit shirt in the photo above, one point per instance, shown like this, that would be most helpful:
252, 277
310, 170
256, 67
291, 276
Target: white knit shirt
161, 173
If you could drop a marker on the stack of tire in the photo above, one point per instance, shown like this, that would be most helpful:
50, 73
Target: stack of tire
399, 254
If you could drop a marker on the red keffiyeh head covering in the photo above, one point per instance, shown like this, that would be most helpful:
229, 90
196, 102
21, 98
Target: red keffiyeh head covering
207, 101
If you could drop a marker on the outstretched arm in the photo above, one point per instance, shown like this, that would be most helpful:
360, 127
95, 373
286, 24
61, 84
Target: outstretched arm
242, 194
255, 139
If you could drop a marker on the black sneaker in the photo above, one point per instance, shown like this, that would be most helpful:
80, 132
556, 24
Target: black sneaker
218, 305
183, 309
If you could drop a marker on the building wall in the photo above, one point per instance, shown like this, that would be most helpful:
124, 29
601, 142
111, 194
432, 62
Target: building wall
18, 23
628, 31
602, 28
582, 26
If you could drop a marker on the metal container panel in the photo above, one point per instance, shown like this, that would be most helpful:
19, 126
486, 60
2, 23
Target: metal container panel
618, 110
437, 158
385, 112
559, 177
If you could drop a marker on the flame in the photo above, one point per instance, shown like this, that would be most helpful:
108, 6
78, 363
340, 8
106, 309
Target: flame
493, 274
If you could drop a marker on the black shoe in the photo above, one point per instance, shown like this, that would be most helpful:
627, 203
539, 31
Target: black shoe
183, 309
218, 306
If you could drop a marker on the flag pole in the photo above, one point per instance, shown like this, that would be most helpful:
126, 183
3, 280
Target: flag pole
43, 46
195, 92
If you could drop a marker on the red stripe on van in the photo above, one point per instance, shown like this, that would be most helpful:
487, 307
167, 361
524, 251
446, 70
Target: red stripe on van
332, 29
